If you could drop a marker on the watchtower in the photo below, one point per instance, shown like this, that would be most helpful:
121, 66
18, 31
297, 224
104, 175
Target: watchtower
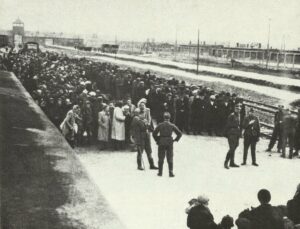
18, 32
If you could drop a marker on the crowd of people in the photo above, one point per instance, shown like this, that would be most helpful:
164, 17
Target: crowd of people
57, 82
265, 216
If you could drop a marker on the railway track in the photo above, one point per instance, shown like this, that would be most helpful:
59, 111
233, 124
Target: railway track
266, 114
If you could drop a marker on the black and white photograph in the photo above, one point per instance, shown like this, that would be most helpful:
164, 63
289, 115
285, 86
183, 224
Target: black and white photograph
149, 114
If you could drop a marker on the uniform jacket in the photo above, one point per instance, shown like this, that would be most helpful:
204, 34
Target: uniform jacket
251, 126
163, 133
289, 124
278, 117
138, 131
233, 125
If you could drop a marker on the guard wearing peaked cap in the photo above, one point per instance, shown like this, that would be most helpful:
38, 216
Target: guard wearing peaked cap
251, 136
232, 133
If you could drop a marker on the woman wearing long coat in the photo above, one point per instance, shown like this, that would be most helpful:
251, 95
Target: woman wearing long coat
103, 129
118, 126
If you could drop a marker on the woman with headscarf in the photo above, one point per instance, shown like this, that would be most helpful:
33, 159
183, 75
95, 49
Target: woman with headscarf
199, 215
103, 129
69, 126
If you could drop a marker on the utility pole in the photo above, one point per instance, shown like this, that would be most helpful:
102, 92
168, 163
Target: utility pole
175, 48
198, 44
268, 45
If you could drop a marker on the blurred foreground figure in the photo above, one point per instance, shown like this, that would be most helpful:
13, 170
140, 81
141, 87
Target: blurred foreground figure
293, 207
199, 215
265, 216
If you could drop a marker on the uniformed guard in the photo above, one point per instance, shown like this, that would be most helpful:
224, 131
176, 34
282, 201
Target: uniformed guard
163, 137
232, 132
277, 130
139, 132
251, 136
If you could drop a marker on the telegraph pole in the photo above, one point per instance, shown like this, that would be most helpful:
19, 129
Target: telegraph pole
175, 48
198, 53
268, 45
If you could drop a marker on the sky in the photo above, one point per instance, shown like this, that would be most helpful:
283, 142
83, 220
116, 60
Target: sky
230, 21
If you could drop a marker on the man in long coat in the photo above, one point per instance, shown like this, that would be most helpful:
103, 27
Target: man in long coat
118, 126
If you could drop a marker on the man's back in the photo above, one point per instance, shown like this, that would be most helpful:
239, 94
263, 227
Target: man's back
165, 130
266, 217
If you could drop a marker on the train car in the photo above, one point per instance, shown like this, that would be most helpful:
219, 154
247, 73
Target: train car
31, 46
108, 48
83, 48
4, 40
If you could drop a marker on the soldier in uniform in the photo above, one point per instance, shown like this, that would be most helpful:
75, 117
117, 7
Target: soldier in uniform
163, 137
232, 132
140, 133
251, 136
277, 131
289, 124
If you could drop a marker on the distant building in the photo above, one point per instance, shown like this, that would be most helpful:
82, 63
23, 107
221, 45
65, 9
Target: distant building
18, 36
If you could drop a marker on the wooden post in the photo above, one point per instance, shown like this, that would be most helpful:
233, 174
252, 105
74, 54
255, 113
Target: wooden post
277, 60
285, 59
294, 60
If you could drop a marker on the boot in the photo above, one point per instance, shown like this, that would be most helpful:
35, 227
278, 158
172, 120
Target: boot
151, 162
171, 174
139, 162
291, 155
160, 169
226, 162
